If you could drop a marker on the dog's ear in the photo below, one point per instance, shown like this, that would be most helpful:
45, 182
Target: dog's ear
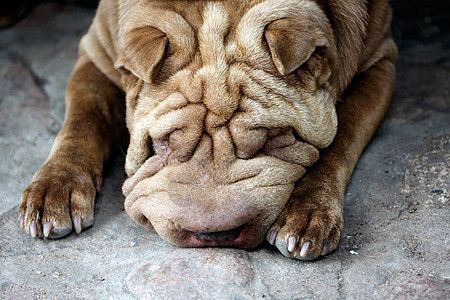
292, 42
142, 52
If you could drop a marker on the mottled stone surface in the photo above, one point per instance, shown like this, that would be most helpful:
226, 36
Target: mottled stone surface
396, 238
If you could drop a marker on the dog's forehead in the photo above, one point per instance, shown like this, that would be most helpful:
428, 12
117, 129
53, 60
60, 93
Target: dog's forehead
166, 14
189, 24
194, 12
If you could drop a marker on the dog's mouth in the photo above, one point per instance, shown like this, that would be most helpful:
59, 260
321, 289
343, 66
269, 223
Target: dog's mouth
237, 237
218, 237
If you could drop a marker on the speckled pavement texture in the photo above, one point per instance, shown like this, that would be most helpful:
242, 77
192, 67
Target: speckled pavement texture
396, 239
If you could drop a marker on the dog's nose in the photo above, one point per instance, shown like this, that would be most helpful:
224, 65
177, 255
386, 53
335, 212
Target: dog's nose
218, 236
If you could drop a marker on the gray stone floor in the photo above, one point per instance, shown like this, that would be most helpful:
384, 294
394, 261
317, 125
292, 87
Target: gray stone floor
396, 240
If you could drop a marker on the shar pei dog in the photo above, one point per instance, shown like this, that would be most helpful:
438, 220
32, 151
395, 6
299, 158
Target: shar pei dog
245, 119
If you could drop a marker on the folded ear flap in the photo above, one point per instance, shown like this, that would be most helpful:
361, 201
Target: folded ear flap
142, 52
292, 42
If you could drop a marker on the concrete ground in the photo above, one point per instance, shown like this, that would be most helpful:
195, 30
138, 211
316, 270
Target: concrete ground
396, 239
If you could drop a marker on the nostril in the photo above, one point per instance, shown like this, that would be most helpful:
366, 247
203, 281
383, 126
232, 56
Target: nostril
218, 236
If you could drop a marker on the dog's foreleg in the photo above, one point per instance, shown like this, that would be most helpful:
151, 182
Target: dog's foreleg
61, 194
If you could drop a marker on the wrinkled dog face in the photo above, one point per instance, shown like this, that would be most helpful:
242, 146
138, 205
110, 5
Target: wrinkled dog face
232, 112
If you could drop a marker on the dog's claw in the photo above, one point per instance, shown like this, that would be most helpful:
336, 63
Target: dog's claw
21, 220
273, 236
326, 247
77, 223
291, 243
33, 228
305, 249
47, 229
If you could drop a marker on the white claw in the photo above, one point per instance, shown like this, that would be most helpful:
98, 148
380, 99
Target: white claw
77, 223
291, 243
33, 228
21, 221
47, 228
305, 249
273, 236
326, 247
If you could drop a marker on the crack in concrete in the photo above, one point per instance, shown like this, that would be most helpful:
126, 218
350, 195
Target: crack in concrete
53, 126
37, 80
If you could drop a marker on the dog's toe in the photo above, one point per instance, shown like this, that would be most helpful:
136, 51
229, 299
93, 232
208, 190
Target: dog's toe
54, 204
304, 231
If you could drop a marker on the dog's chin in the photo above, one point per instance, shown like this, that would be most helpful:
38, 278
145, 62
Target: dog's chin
232, 222
247, 236
189, 207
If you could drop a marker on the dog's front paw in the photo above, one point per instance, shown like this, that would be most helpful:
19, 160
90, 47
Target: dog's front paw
58, 199
308, 227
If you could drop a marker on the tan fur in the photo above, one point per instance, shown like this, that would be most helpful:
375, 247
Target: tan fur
228, 105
